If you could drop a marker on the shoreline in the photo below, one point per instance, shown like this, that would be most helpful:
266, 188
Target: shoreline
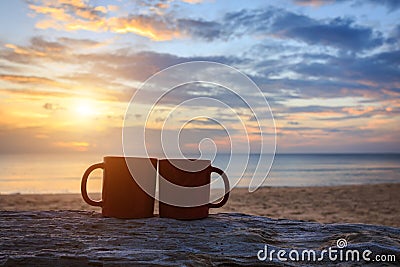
236, 188
369, 203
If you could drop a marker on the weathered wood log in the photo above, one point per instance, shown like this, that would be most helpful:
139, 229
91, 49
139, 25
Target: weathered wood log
79, 238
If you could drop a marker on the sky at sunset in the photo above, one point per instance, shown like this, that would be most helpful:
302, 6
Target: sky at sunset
330, 69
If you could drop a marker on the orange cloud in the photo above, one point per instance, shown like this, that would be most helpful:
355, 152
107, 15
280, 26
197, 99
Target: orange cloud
24, 51
192, 1
306, 116
75, 15
368, 83
392, 93
39, 49
314, 3
31, 80
358, 111
112, 8
33, 94
54, 12
162, 5
74, 146
77, 3
144, 26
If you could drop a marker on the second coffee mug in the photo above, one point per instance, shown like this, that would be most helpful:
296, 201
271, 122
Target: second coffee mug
122, 197
184, 187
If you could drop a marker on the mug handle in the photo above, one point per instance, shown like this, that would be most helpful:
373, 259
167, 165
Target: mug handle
227, 187
84, 182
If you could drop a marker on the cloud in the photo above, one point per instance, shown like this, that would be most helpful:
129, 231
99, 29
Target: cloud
192, 1
131, 65
78, 43
34, 88
390, 4
313, 2
394, 37
154, 28
329, 136
50, 106
73, 145
291, 56
204, 121
34, 93
77, 15
34, 80
207, 30
340, 33
370, 71
335, 114
115, 74
38, 49
278, 23
268, 22
298, 73
69, 15
45, 140
108, 68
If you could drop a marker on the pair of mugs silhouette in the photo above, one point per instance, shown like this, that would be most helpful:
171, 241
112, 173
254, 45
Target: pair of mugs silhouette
129, 185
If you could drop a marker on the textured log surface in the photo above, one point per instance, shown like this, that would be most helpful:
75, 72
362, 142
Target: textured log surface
81, 238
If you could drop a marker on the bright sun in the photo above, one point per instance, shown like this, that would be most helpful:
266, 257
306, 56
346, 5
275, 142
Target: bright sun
85, 108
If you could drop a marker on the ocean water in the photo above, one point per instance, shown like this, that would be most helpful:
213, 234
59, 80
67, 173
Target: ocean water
56, 173
325, 169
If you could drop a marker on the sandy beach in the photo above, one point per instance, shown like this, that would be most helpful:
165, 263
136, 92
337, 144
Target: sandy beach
370, 204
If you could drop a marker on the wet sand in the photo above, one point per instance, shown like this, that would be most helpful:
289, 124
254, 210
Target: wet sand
369, 204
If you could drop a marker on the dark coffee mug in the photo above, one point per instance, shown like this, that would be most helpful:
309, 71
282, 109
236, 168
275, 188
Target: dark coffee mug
122, 197
184, 188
